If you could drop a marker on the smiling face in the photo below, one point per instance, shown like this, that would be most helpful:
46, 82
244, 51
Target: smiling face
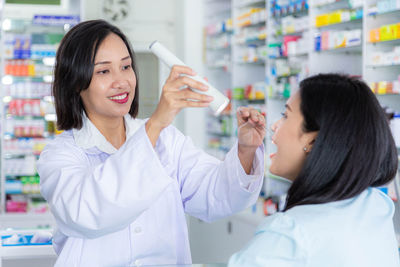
112, 87
290, 140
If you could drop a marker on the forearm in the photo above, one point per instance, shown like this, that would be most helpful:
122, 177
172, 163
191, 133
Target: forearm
153, 132
246, 157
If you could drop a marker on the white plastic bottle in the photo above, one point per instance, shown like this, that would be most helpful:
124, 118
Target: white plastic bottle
220, 101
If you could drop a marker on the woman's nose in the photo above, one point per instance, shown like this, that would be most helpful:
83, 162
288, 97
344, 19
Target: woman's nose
120, 83
274, 126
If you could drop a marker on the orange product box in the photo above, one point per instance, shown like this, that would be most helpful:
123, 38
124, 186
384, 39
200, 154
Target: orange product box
393, 31
374, 35
389, 88
398, 30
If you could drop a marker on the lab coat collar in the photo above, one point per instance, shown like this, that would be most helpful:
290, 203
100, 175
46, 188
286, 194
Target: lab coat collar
90, 138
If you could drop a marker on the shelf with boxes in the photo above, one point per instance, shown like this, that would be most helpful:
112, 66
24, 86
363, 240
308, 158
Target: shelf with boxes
339, 30
250, 24
249, 33
288, 47
28, 116
218, 34
382, 48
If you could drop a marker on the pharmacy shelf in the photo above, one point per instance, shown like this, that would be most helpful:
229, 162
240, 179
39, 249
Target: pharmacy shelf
299, 33
395, 13
333, 5
384, 66
220, 11
294, 14
258, 62
350, 49
345, 25
297, 55
385, 43
25, 96
251, 3
218, 48
26, 252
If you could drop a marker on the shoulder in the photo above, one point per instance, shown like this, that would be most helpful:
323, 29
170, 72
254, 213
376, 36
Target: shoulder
282, 223
63, 139
314, 218
63, 145
279, 241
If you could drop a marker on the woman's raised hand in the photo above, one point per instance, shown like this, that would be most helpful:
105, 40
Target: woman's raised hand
175, 96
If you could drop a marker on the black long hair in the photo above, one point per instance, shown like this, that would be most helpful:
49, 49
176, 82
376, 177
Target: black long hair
354, 148
74, 69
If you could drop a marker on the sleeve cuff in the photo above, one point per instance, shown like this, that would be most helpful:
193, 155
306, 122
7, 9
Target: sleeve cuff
249, 182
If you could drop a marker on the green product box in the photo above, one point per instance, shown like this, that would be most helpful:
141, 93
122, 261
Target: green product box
238, 93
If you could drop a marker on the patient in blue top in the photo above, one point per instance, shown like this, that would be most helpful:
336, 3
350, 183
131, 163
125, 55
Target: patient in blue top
334, 143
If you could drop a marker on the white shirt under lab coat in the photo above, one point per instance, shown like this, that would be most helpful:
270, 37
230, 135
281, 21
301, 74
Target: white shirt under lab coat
127, 207
356, 232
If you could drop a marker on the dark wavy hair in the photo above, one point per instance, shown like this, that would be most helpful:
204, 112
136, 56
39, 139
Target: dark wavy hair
74, 69
354, 148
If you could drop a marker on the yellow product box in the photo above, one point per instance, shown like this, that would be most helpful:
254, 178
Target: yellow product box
255, 10
372, 85
374, 35
388, 32
262, 36
289, 29
382, 86
229, 24
321, 20
260, 95
335, 17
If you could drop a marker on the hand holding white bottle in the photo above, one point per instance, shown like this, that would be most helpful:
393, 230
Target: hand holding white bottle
220, 101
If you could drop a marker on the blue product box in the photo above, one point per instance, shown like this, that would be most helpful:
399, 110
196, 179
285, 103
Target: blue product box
25, 240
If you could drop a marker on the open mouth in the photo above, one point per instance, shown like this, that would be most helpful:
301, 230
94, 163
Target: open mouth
120, 99
272, 154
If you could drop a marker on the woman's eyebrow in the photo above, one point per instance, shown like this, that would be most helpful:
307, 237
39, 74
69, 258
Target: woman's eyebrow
288, 107
109, 62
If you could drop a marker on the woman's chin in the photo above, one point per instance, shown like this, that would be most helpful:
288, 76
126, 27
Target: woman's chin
272, 170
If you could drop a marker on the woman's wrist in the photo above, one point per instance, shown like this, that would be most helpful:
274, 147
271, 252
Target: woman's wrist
246, 156
153, 131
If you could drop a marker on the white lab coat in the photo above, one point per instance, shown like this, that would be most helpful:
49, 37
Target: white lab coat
127, 207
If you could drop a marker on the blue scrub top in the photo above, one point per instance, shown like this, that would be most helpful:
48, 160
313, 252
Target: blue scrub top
348, 233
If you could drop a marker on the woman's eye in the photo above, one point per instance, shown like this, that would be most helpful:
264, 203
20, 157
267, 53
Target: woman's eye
103, 71
284, 115
126, 67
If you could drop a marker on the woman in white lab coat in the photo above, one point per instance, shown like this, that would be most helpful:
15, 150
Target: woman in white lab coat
119, 187
334, 143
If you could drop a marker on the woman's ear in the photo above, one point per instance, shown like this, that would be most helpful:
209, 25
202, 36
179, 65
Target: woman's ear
311, 137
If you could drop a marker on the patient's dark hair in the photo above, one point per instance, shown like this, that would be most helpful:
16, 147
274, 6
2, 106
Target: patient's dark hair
74, 69
354, 148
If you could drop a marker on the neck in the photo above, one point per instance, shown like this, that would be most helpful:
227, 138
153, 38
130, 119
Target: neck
113, 129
